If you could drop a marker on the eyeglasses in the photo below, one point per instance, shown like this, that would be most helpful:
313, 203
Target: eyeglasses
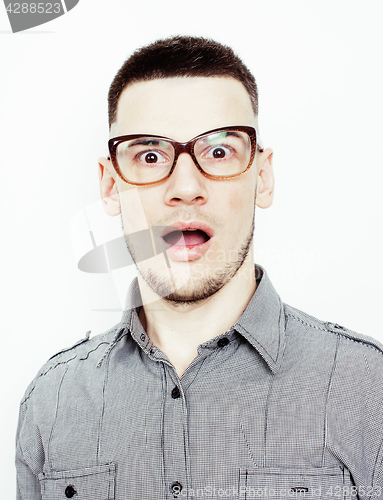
219, 154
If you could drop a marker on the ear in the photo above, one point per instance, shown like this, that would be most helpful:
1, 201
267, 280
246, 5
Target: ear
108, 188
265, 181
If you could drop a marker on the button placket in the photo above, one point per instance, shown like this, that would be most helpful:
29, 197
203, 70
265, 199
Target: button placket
175, 447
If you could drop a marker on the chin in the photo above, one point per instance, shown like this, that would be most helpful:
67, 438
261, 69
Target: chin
189, 284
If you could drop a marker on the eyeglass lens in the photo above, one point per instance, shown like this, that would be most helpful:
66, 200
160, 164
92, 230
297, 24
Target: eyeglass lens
149, 159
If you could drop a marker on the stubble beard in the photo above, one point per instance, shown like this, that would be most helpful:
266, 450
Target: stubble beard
202, 288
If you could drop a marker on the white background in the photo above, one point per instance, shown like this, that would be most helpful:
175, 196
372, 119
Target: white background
318, 68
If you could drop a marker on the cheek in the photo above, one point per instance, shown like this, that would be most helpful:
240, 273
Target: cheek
241, 202
133, 211
236, 203
151, 204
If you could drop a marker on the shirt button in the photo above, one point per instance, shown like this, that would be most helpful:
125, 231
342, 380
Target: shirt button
176, 488
222, 342
142, 337
176, 394
70, 491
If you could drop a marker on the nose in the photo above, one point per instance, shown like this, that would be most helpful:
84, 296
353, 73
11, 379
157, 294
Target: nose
186, 185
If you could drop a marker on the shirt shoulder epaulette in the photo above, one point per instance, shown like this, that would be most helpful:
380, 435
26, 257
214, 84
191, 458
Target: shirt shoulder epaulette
79, 350
364, 341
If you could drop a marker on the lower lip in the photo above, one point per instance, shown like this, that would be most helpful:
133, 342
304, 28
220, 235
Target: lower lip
184, 253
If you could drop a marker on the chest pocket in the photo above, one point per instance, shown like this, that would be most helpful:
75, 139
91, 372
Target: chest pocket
322, 483
92, 483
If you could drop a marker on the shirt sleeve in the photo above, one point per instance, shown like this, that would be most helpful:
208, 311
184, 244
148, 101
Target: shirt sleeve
28, 452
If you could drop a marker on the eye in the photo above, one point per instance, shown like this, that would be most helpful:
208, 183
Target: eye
151, 157
218, 153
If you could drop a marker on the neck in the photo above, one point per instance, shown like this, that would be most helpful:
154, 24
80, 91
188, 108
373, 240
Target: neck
179, 329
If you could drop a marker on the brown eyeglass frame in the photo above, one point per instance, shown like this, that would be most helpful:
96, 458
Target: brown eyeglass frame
186, 147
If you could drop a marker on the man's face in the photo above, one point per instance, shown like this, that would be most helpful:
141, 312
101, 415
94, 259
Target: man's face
180, 109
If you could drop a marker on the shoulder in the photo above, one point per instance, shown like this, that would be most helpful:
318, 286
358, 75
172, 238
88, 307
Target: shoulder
347, 340
79, 352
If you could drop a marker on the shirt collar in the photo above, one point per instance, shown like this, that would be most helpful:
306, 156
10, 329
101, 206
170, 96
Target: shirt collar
262, 323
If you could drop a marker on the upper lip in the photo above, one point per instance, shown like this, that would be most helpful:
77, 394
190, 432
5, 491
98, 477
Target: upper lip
188, 226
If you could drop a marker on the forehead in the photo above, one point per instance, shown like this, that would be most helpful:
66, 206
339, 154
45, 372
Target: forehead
182, 108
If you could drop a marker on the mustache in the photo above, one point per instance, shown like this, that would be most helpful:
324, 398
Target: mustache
189, 215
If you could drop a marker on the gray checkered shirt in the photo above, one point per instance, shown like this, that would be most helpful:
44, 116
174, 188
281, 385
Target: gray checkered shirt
280, 406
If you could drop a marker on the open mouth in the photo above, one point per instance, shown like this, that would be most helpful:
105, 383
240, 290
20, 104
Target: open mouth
187, 237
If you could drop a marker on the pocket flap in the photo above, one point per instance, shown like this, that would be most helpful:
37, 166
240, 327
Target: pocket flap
91, 483
295, 484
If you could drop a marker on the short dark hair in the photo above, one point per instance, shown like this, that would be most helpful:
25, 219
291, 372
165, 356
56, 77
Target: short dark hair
179, 56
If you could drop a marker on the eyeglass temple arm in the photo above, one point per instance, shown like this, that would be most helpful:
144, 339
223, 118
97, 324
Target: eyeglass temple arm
260, 147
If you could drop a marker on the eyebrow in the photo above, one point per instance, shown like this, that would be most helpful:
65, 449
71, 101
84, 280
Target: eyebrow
147, 142
228, 133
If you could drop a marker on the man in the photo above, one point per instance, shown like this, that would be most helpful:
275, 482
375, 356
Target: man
209, 387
